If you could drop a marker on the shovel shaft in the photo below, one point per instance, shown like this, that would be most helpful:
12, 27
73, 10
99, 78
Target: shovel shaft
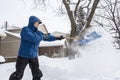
72, 38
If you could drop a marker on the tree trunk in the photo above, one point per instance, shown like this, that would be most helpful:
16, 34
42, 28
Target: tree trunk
90, 17
69, 51
77, 5
72, 20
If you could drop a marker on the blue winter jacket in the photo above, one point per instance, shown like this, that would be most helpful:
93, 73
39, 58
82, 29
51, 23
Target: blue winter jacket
30, 39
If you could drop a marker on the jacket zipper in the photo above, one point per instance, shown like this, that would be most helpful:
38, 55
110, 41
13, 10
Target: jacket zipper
34, 46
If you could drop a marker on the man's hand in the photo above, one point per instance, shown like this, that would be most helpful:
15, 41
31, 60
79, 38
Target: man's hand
60, 38
46, 36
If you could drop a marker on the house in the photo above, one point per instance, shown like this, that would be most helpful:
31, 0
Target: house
52, 49
10, 46
2, 36
55, 48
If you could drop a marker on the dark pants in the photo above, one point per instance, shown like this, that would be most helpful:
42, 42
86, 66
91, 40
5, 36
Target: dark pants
21, 63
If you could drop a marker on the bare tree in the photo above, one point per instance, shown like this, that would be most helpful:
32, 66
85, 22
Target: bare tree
89, 18
81, 19
111, 15
71, 18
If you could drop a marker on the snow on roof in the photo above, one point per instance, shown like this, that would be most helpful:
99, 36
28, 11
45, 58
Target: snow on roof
57, 33
2, 34
53, 43
14, 34
13, 27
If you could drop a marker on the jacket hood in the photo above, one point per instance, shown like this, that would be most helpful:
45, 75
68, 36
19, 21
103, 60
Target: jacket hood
32, 20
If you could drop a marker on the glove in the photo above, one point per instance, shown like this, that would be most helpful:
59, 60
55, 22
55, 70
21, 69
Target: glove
46, 36
60, 38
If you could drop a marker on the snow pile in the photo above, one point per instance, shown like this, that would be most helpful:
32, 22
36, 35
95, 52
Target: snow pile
99, 61
2, 59
103, 44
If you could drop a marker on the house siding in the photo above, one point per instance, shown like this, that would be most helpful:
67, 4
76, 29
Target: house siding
50, 51
10, 46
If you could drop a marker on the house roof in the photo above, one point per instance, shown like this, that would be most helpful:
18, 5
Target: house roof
13, 28
13, 34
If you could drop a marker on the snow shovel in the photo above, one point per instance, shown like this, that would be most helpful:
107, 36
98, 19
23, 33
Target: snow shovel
45, 31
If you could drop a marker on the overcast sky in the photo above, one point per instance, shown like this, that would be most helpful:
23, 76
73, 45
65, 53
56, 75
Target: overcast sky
17, 12
13, 11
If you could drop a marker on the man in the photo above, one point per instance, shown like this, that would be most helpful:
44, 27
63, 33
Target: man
28, 51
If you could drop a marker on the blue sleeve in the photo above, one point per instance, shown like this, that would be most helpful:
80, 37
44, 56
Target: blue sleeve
48, 38
28, 35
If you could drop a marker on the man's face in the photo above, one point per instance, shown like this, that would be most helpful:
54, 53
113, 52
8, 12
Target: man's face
36, 24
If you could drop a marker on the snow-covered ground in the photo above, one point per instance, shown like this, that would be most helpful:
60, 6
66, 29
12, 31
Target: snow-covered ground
99, 60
